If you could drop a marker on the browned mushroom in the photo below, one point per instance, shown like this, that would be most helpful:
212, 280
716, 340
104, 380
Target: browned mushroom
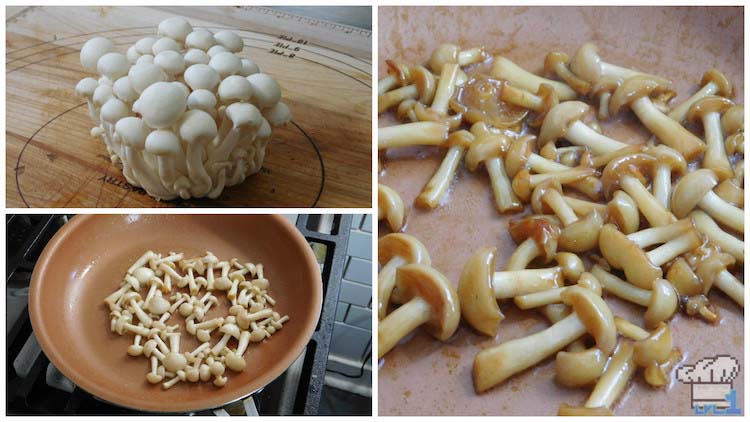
541, 102
565, 120
536, 237
398, 75
714, 82
516, 75
729, 191
394, 251
557, 62
733, 124
603, 89
713, 272
488, 148
622, 211
410, 134
728, 243
437, 187
390, 207
695, 189
709, 110
668, 161
524, 182
451, 53
588, 65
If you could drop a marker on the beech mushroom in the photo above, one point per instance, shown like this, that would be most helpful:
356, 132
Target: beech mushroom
524, 182
635, 92
713, 272
660, 299
410, 134
451, 53
390, 207
653, 351
642, 268
714, 83
565, 121
541, 102
590, 314
733, 124
536, 237
488, 149
668, 161
457, 143
394, 251
627, 173
578, 369
603, 89
197, 129
511, 72
133, 132
557, 62
589, 66
696, 190
729, 191
623, 212
709, 110
429, 301
93, 49
480, 287
166, 147
554, 294
728, 243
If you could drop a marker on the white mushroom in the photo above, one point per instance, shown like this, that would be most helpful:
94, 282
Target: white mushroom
94, 49
171, 62
235, 88
161, 104
164, 44
248, 67
230, 41
86, 88
266, 90
133, 132
195, 56
165, 145
225, 63
197, 128
113, 65
176, 28
200, 39
143, 75
123, 89
202, 76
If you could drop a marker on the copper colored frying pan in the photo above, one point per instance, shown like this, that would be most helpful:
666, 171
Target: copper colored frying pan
86, 260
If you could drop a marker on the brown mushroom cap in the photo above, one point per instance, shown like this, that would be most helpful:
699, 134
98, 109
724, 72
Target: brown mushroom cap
655, 348
425, 82
666, 155
663, 304
622, 253
586, 63
484, 148
691, 189
557, 62
709, 268
559, 118
400, 71
684, 280
549, 100
543, 232
583, 235
476, 295
623, 212
595, 316
403, 245
637, 87
578, 369
708, 104
444, 53
633, 165
425, 282
537, 204
606, 84
715, 76
733, 120
518, 154
572, 265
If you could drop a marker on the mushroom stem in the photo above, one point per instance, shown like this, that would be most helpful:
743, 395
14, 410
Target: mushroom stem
509, 284
516, 75
386, 282
396, 96
537, 299
522, 98
728, 243
655, 213
401, 322
661, 185
438, 185
630, 330
723, 212
673, 248
731, 286
496, 364
680, 112
581, 134
715, 156
614, 380
663, 234
410, 134
386, 84
620, 288
556, 202
505, 198
583, 207
445, 88
525, 252
667, 130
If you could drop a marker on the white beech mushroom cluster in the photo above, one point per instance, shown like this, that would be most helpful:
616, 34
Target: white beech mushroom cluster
174, 285
182, 113
659, 224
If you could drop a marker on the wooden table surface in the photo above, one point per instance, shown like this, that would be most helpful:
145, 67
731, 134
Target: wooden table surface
323, 158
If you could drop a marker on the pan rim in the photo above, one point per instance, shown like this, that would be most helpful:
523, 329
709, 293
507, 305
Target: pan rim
89, 384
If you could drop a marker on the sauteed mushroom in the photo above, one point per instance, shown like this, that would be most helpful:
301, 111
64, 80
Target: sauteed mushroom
696, 190
394, 251
709, 110
714, 83
511, 72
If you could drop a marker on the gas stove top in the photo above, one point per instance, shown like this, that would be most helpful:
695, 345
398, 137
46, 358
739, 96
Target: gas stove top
36, 387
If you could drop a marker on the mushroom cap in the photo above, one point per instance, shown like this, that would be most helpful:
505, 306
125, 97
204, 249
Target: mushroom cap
172, 62
158, 305
476, 294
635, 88
582, 235
163, 142
708, 104
586, 63
174, 362
132, 54
404, 246
733, 120
623, 212
484, 148
244, 114
114, 110
216, 50
123, 89
229, 40
201, 99
231, 329
195, 56
143, 75
709, 268
578, 369
537, 203
538, 228
518, 154
234, 362
102, 93
684, 280
161, 104
132, 131
606, 84
248, 68
200, 39
145, 45
691, 189
714, 75
266, 90
444, 53
668, 156
176, 28
572, 265
86, 87
225, 63
595, 316
632, 165
622, 253
93, 49
663, 303
164, 44
425, 282
425, 82
197, 126
144, 275
559, 118
113, 65
202, 76
654, 349
278, 115
146, 58
235, 88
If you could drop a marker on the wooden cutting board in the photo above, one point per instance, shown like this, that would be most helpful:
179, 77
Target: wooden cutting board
322, 158
422, 376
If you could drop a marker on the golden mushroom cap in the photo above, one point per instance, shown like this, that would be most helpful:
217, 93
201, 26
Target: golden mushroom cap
403, 245
624, 254
595, 316
476, 294
419, 280
637, 87
559, 118
716, 76
708, 104
663, 304
691, 189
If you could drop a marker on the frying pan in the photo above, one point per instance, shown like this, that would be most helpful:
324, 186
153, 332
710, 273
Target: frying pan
86, 260
679, 43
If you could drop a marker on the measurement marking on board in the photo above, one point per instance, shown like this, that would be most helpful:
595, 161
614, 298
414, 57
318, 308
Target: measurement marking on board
312, 21
287, 49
